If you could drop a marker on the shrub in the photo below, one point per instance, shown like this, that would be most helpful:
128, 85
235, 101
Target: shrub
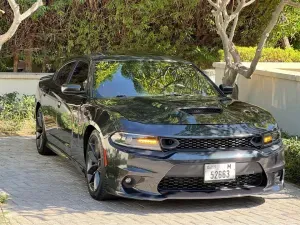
17, 114
3, 197
268, 54
292, 158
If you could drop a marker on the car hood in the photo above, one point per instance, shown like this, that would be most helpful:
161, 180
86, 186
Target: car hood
187, 110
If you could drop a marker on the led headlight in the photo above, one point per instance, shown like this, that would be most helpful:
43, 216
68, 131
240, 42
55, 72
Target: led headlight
136, 141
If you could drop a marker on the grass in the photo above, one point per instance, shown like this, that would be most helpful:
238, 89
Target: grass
17, 117
10, 128
3, 197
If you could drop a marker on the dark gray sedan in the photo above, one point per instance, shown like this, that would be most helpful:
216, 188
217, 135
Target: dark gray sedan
156, 128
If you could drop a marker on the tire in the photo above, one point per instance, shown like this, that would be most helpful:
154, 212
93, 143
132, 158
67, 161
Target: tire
95, 169
41, 139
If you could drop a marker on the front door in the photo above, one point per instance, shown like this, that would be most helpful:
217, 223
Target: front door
62, 140
68, 113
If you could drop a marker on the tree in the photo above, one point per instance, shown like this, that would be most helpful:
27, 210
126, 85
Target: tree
18, 18
226, 14
288, 28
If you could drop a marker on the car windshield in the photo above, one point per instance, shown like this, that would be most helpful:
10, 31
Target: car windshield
149, 78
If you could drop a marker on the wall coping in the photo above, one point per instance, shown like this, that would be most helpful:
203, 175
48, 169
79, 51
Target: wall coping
22, 76
272, 69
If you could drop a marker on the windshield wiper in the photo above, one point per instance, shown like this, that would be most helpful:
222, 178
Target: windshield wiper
121, 96
172, 94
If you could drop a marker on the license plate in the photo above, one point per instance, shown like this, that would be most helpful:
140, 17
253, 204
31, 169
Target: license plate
219, 172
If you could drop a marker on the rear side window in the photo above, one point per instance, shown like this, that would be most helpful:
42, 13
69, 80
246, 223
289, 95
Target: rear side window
80, 74
63, 73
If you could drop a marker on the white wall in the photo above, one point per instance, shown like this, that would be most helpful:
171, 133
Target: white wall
211, 74
23, 83
274, 87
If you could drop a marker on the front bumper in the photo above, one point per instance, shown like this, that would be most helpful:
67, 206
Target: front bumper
147, 172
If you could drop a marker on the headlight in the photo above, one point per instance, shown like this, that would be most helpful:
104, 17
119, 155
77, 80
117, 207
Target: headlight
271, 137
136, 141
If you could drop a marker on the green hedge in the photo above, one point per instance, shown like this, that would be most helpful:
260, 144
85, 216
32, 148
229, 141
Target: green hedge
268, 54
17, 116
292, 158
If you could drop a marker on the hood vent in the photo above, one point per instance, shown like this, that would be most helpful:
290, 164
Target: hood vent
202, 110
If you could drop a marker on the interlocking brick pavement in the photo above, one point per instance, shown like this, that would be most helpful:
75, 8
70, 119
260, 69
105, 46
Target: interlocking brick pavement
49, 190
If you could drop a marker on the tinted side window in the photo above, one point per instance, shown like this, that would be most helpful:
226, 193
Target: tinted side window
80, 74
63, 74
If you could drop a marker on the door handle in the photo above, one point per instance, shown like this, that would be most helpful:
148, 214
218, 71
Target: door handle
59, 104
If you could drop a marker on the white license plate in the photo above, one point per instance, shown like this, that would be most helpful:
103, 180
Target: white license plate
219, 172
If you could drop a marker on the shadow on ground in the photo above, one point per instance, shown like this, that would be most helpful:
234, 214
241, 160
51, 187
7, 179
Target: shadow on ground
41, 185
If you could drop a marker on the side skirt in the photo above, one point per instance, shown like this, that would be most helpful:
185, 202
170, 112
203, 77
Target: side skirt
66, 156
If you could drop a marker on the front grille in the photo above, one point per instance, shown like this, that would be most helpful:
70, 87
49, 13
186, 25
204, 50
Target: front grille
217, 143
168, 184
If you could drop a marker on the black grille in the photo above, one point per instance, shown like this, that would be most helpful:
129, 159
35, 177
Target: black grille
218, 143
197, 183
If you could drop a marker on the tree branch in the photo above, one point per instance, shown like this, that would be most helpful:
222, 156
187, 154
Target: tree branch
236, 19
238, 9
241, 4
18, 18
32, 9
215, 5
222, 33
292, 3
265, 36
249, 3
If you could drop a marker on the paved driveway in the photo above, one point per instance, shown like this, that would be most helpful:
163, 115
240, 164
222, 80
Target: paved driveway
48, 190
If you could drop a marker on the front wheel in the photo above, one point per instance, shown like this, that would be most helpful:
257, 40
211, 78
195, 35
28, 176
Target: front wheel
96, 168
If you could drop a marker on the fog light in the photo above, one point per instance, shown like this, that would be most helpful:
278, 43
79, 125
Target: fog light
279, 176
128, 180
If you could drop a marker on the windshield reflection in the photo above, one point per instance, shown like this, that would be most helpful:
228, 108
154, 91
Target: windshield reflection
148, 78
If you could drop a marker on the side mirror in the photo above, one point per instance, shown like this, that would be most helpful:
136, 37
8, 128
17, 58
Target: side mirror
227, 90
71, 89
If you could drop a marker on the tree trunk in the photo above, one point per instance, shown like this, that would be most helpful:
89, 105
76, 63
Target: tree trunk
16, 60
28, 60
43, 67
286, 42
229, 79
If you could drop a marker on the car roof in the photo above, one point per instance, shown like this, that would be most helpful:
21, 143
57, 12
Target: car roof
99, 57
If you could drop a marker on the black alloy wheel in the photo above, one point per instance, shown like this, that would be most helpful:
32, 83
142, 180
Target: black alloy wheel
41, 139
95, 168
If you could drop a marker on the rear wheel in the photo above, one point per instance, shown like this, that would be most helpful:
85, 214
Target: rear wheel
96, 168
41, 139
